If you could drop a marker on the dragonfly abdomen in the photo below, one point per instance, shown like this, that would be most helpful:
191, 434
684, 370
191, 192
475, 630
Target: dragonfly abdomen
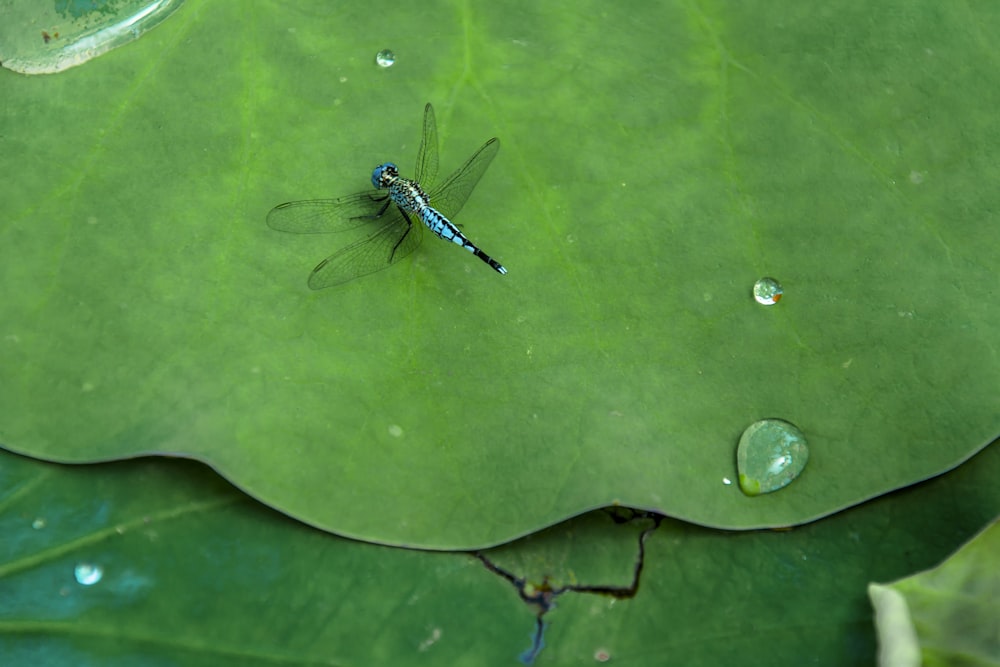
410, 197
444, 228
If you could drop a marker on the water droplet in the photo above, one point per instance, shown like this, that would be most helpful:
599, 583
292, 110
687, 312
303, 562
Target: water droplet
396, 431
70, 34
727, 481
767, 291
88, 574
38, 523
385, 58
430, 641
771, 454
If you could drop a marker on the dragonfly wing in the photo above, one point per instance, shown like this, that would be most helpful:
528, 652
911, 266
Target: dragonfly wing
427, 154
450, 195
393, 241
319, 216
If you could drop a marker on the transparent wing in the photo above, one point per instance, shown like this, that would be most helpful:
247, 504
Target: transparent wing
427, 154
391, 242
320, 216
450, 195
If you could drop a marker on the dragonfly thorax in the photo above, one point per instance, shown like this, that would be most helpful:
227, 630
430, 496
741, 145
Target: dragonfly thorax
384, 175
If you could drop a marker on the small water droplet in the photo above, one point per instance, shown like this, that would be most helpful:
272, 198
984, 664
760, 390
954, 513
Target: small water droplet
396, 431
385, 58
771, 454
88, 574
38, 523
767, 291
727, 481
430, 641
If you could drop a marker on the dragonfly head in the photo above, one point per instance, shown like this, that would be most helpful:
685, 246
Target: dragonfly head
384, 175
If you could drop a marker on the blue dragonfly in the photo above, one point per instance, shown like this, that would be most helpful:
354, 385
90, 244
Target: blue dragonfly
394, 236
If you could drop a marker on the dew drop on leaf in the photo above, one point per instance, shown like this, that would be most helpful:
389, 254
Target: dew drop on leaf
771, 453
767, 291
88, 574
385, 58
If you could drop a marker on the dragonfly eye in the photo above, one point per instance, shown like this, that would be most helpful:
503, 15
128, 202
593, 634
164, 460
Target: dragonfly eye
384, 175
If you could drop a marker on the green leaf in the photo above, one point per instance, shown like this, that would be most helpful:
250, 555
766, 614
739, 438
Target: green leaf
654, 166
947, 615
195, 573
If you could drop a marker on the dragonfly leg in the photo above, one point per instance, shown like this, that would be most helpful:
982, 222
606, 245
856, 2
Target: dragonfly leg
409, 229
381, 211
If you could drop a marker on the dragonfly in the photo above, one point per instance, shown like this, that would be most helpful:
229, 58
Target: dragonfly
389, 209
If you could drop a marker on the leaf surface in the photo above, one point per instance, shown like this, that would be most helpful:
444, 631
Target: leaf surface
653, 168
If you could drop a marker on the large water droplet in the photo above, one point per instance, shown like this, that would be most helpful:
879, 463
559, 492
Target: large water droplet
767, 291
771, 454
47, 37
88, 574
385, 58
